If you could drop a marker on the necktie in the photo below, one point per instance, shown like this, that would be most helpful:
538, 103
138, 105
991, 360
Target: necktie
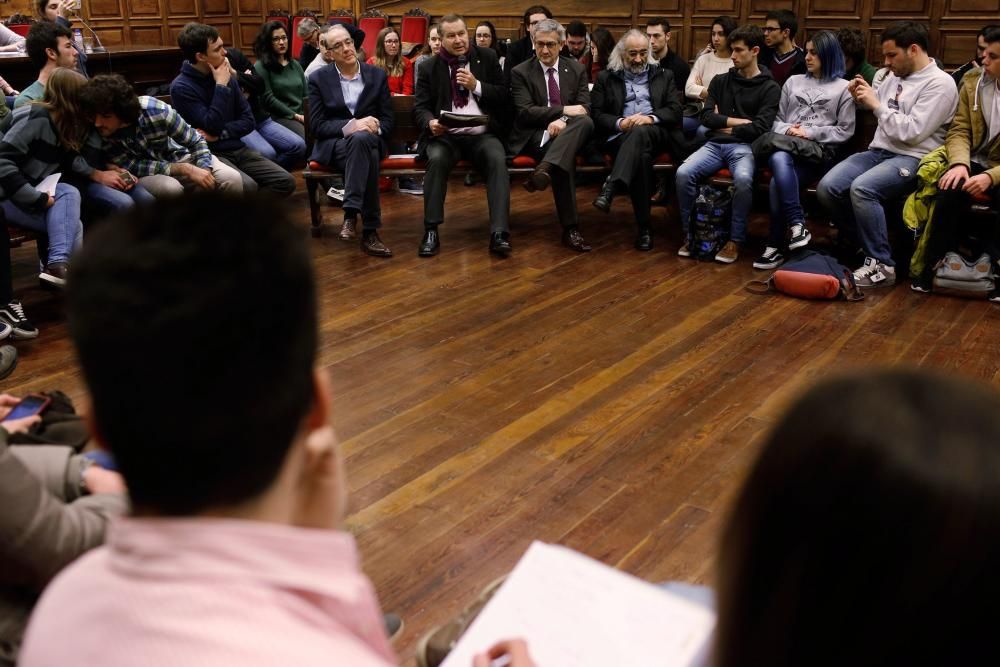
553, 89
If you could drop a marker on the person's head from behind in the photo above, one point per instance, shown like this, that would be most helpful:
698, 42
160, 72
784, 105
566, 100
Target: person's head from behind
576, 38
110, 103
658, 32
824, 58
62, 99
202, 45
602, 45
852, 43
744, 45
272, 43
534, 14
722, 26
780, 26
486, 35
868, 530
50, 45
208, 407
991, 54
904, 47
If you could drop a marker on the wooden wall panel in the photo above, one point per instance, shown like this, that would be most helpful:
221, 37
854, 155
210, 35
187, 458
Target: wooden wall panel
216, 7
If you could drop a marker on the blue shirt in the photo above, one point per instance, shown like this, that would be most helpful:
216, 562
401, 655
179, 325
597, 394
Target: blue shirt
637, 98
351, 88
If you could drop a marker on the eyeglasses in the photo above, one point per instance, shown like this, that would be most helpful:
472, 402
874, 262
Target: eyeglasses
391, 41
546, 45
280, 38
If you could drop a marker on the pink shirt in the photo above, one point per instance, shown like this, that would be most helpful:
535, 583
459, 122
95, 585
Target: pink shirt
211, 592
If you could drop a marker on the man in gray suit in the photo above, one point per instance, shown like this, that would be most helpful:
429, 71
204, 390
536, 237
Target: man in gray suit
551, 104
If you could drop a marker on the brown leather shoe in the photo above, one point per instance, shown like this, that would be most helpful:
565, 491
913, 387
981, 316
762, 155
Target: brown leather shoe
347, 232
372, 245
539, 179
573, 239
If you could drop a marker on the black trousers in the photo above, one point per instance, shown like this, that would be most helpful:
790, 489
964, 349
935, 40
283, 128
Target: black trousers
634, 153
489, 157
358, 156
952, 224
267, 175
6, 276
561, 153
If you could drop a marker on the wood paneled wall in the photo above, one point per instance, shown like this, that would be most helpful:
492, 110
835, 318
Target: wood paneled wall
953, 23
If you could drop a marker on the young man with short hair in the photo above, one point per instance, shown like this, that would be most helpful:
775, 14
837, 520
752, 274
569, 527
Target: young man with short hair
658, 31
207, 95
577, 45
741, 105
782, 57
49, 45
976, 62
523, 48
913, 105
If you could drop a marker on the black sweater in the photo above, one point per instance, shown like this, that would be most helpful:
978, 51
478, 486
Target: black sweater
736, 96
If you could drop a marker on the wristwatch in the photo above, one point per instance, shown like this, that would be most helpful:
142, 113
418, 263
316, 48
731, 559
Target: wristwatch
564, 119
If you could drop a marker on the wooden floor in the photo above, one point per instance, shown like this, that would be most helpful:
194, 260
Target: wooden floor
610, 401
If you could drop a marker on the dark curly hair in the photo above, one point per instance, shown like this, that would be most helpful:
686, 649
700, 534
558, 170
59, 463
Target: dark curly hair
110, 93
263, 47
852, 42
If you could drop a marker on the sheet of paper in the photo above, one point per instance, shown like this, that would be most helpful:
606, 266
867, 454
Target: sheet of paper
48, 184
545, 138
577, 612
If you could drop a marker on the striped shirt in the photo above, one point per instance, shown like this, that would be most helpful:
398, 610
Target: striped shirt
157, 139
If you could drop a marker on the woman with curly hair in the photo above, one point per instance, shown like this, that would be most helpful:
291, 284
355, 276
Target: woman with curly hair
283, 76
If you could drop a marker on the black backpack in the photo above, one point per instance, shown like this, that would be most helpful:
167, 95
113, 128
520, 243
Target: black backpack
710, 220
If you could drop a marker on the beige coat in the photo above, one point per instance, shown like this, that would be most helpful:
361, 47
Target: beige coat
968, 130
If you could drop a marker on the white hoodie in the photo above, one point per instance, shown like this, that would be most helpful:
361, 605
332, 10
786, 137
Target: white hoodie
914, 112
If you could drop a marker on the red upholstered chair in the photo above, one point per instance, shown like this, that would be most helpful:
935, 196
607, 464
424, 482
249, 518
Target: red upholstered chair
371, 22
19, 23
340, 16
280, 16
296, 41
413, 29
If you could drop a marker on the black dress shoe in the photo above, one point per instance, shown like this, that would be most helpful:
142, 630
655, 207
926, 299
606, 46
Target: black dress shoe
372, 245
603, 201
430, 244
573, 239
661, 197
644, 240
347, 232
539, 179
500, 243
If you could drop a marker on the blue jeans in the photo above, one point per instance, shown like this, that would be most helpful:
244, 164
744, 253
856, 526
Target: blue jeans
704, 162
61, 222
855, 191
786, 207
109, 201
277, 143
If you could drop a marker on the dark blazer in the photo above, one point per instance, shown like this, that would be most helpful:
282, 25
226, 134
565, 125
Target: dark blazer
433, 91
328, 114
607, 102
517, 53
530, 90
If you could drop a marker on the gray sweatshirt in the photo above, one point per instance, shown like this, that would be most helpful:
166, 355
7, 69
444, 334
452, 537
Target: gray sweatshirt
914, 112
824, 109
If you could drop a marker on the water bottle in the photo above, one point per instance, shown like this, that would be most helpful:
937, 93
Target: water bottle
78, 39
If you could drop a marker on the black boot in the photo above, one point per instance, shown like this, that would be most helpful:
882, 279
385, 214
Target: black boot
603, 201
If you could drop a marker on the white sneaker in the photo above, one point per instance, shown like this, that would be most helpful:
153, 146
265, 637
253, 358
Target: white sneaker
874, 273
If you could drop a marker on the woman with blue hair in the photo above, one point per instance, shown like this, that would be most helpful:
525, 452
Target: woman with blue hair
815, 107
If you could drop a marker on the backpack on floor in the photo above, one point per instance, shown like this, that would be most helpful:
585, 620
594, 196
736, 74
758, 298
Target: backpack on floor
810, 275
957, 276
710, 220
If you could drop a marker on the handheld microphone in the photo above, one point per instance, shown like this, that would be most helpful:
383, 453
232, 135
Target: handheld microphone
462, 61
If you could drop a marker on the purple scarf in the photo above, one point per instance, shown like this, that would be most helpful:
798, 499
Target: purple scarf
459, 94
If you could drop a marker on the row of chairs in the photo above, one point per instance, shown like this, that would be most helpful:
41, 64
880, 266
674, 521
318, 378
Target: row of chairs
413, 27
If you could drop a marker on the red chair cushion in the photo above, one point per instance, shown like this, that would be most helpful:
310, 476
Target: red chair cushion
524, 161
401, 163
413, 29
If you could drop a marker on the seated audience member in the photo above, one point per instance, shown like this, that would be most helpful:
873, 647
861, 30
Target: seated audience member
389, 59
976, 62
57, 505
208, 97
283, 76
49, 46
150, 140
350, 114
486, 38
637, 113
551, 96
324, 57
245, 562
10, 41
898, 570
59, 13
577, 46
464, 80
432, 45
782, 57
42, 140
602, 44
973, 154
913, 105
658, 31
852, 43
714, 60
308, 31
14, 324
818, 107
269, 138
524, 48
741, 105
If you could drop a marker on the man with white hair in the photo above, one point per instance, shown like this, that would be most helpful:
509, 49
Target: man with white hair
637, 109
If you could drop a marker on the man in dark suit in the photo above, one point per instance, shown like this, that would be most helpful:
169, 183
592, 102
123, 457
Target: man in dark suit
464, 80
551, 100
350, 114
637, 125
523, 49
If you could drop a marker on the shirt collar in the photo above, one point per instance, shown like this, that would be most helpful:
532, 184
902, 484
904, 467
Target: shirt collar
545, 68
344, 78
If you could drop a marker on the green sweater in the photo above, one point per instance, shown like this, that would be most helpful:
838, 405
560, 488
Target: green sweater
284, 91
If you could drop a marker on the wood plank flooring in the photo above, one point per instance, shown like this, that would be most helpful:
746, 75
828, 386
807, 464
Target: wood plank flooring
610, 401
